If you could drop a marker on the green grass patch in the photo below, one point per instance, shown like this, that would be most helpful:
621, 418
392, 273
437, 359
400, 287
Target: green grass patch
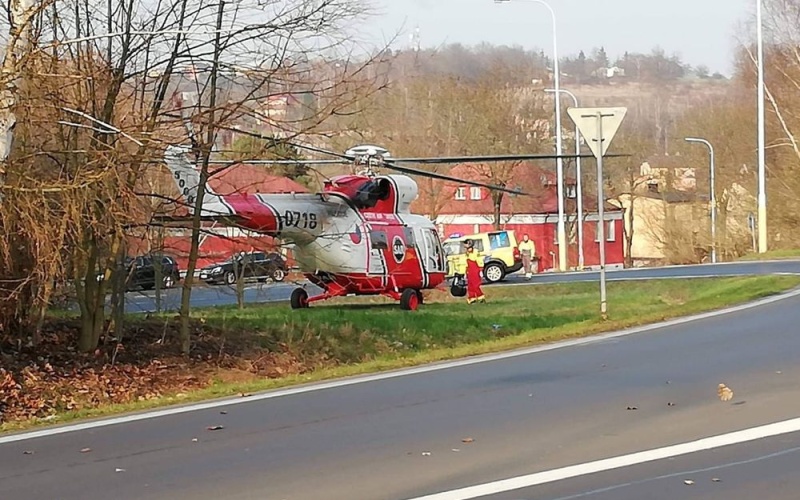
354, 336
785, 254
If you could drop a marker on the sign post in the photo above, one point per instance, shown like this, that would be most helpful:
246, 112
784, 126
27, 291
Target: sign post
598, 126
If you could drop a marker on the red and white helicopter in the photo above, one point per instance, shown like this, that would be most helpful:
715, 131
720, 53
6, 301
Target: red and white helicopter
357, 236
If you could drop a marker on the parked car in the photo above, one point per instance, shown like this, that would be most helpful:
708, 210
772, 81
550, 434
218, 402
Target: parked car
141, 272
253, 265
501, 255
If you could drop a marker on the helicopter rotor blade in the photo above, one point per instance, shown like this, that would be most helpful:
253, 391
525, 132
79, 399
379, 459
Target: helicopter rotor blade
434, 175
494, 158
279, 162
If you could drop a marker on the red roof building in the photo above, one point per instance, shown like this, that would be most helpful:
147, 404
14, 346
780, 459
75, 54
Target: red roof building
465, 209
252, 179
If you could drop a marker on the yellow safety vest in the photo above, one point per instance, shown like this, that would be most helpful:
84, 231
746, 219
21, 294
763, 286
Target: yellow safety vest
527, 246
476, 257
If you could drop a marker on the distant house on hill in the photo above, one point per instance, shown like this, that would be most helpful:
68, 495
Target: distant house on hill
466, 209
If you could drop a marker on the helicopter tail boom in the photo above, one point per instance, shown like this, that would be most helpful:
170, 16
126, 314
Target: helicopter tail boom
296, 217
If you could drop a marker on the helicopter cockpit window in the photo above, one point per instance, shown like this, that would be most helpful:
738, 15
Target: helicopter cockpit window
408, 233
370, 192
379, 240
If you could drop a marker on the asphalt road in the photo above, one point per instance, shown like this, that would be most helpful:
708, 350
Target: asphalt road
268, 292
765, 470
402, 437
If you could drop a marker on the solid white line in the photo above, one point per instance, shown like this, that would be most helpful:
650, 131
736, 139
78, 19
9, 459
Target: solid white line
539, 478
640, 278
389, 374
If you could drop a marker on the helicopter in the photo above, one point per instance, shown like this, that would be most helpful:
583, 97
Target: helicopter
355, 237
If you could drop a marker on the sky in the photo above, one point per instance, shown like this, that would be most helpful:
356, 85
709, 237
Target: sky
702, 32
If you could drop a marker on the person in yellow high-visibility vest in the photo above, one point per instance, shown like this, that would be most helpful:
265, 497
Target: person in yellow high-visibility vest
528, 251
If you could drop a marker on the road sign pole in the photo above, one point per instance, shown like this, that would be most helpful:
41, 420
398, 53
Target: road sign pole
590, 123
601, 226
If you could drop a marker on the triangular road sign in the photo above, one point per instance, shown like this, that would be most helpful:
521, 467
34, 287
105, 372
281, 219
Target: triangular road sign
586, 121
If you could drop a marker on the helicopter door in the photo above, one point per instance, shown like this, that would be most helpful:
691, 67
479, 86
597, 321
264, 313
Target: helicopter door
432, 252
379, 244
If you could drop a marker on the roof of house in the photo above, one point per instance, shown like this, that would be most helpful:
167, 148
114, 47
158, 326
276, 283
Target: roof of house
252, 179
439, 197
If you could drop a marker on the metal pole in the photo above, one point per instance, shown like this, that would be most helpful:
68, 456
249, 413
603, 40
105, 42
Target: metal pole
713, 196
579, 175
762, 190
560, 229
601, 229
713, 209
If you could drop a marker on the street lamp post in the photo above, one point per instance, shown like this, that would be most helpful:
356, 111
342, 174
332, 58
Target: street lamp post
579, 176
560, 229
712, 196
762, 190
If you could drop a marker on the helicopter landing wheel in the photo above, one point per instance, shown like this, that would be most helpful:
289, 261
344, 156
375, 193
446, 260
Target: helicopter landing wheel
299, 299
410, 299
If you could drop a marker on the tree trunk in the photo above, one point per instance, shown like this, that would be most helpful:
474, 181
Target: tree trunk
201, 190
498, 203
628, 234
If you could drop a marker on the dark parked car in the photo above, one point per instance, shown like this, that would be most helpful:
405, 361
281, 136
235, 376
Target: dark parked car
141, 272
258, 265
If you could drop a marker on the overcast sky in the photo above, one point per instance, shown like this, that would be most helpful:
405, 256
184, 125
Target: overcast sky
700, 31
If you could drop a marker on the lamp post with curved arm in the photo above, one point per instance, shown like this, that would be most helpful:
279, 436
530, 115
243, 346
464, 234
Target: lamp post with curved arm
560, 228
578, 187
762, 178
713, 200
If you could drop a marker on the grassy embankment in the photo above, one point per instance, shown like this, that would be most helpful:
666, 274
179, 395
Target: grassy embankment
264, 347
772, 255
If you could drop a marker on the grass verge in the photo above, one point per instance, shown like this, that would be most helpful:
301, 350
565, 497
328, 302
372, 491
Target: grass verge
785, 254
269, 346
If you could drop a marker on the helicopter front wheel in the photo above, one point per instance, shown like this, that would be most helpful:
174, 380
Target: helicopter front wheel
410, 299
299, 298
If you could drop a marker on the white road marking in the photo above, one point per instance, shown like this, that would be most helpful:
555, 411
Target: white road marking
24, 436
686, 473
539, 478
589, 279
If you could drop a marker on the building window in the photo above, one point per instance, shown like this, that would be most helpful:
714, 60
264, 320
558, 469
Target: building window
474, 193
611, 226
461, 193
572, 192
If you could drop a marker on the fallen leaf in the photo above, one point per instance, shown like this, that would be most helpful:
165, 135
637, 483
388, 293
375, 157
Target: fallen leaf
468, 440
724, 392
215, 427
688, 482
86, 450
